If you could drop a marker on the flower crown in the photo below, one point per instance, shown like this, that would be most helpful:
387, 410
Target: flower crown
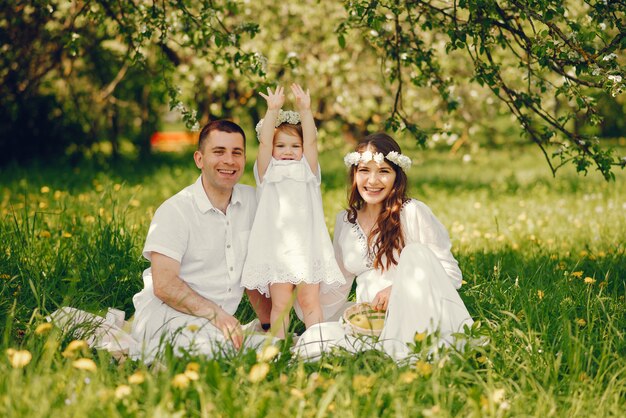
284, 116
354, 158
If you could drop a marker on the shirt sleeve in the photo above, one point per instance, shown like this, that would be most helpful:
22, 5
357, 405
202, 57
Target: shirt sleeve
168, 233
422, 226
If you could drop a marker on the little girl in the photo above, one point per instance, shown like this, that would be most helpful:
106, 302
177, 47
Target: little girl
289, 250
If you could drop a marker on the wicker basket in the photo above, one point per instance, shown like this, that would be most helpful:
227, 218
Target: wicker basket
372, 319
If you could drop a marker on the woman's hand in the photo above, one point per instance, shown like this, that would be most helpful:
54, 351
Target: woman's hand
303, 99
381, 300
275, 99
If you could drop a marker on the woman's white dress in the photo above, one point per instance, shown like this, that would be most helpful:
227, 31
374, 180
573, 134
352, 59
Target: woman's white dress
289, 241
423, 293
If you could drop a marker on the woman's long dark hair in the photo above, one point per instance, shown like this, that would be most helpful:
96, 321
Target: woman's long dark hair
389, 239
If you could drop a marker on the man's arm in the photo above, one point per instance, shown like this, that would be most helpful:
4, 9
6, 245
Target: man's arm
178, 295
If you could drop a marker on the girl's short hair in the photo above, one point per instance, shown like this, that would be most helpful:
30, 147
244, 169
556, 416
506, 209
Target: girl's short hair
290, 129
389, 238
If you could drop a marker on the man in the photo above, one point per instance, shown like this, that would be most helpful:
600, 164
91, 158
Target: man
196, 244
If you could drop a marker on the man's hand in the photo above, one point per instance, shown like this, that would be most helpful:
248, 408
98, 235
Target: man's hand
381, 300
229, 325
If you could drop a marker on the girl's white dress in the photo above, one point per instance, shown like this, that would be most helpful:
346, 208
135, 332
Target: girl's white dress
289, 241
423, 293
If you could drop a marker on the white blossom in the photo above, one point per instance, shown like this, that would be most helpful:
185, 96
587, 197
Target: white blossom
352, 158
615, 78
379, 158
609, 57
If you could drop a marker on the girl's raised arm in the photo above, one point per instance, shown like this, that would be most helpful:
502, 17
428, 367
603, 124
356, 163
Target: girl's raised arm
274, 101
309, 133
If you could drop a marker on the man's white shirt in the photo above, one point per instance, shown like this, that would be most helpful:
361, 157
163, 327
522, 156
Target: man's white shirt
209, 245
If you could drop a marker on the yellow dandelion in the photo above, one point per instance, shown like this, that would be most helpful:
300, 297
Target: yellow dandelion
601, 254
135, 203
43, 328
5, 276
117, 187
192, 366
481, 359
57, 194
581, 322
589, 280
540, 294
192, 375
43, 205
193, 327
296, 393
45, 234
267, 354
137, 378
90, 219
258, 372
66, 234
423, 368
419, 337
363, 384
407, 377
122, 391
85, 364
180, 381
577, 274
73, 347
45, 189
19, 358
584, 253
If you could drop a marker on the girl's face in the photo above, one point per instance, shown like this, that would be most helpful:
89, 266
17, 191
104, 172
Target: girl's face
287, 147
374, 181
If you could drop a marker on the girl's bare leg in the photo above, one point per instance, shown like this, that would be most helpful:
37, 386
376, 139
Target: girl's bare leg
309, 300
282, 300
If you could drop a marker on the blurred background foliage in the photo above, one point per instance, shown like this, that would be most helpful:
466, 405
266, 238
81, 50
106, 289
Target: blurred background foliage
85, 79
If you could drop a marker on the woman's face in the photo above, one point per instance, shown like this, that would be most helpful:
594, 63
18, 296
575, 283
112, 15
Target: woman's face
374, 181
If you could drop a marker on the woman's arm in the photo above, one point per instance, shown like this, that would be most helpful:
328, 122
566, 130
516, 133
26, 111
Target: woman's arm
303, 104
275, 101
422, 226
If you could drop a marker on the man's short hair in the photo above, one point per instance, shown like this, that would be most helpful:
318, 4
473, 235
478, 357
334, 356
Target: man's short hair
220, 125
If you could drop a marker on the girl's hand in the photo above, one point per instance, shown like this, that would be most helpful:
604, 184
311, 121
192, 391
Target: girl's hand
381, 300
303, 99
275, 99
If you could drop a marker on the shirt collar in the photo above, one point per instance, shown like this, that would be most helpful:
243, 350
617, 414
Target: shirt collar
202, 200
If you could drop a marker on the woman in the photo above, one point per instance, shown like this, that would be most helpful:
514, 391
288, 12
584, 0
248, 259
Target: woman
399, 254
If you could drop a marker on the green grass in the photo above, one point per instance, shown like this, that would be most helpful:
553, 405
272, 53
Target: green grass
543, 259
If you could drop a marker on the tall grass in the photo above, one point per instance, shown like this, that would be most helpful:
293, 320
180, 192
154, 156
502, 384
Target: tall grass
543, 260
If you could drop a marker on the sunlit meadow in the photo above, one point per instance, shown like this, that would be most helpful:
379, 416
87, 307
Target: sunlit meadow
543, 260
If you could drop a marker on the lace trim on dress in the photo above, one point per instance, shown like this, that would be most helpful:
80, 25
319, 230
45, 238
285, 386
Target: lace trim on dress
260, 276
369, 255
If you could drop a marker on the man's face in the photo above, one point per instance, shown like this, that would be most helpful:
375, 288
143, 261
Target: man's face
222, 160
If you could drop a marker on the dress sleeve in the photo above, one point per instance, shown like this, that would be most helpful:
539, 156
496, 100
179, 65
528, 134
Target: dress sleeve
423, 227
334, 298
168, 233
